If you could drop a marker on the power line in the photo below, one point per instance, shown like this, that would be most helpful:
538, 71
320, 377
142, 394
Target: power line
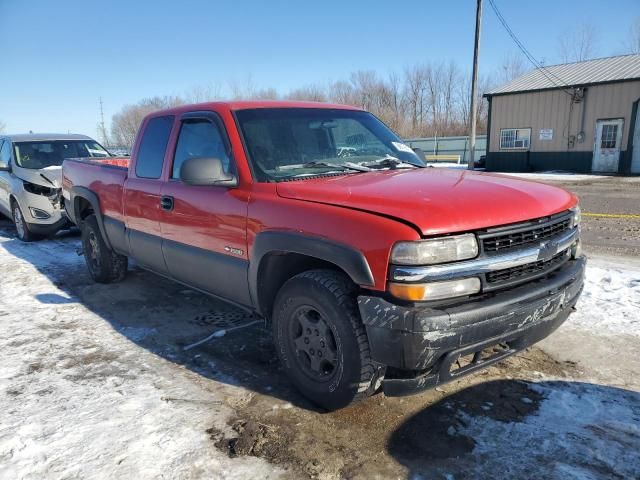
547, 73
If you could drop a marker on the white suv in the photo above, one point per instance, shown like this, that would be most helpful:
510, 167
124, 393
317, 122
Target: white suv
31, 179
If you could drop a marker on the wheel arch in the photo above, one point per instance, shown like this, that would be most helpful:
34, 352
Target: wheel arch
278, 256
84, 202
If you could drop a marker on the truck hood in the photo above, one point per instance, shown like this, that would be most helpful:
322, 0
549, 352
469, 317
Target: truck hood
53, 173
434, 200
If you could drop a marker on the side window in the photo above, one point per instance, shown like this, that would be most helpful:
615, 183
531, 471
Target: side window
199, 138
153, 146
5, 152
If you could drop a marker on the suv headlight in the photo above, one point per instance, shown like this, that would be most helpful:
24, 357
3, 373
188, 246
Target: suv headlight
435, 250
577, 216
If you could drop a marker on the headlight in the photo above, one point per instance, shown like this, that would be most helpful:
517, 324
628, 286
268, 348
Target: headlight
416, 292
577, 216
435, 250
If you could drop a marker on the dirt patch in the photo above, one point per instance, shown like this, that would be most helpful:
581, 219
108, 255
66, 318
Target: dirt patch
385, 437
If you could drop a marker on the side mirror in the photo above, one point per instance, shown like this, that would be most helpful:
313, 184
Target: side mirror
4, 167
206, 171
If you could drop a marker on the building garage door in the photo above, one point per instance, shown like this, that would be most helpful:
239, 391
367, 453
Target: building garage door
635, 160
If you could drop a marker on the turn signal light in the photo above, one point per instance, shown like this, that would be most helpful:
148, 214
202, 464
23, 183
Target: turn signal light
417, 292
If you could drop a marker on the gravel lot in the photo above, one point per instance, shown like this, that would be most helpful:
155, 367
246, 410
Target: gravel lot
95, 383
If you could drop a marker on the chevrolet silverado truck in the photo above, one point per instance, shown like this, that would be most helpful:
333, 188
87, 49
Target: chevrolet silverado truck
373, 271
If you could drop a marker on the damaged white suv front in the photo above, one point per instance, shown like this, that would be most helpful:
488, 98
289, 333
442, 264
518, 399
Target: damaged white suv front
31, 179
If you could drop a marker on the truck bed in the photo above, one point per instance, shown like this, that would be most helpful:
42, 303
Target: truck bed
103, 176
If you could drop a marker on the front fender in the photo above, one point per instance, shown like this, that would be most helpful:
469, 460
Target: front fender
352, 261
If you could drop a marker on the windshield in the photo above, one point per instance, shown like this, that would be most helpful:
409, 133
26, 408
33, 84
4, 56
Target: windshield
295, 142
36, 155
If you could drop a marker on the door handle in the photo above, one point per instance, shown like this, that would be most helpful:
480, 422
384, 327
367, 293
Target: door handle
166, 203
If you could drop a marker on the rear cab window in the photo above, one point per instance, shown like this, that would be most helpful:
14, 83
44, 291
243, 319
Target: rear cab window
153, 146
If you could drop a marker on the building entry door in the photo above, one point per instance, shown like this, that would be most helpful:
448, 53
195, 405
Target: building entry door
606, 149
635, 160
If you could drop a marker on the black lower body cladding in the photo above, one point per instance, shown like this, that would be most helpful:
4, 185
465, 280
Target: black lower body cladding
424, 342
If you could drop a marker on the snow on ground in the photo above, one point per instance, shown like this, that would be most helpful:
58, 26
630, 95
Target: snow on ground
579, 432
610, 302
79, 400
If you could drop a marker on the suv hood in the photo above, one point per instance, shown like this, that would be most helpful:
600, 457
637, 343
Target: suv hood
436, 201
53, 173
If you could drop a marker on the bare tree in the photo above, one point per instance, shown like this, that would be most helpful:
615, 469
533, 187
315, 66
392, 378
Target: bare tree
2, 126
313, 93
203, 93
125, 124
633, 42
513, 66
579, 44
415, 81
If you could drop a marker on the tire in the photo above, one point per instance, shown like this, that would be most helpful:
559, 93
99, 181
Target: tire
321, 341
22, 227
105, 265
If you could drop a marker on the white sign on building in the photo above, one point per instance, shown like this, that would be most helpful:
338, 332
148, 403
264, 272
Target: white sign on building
546, 134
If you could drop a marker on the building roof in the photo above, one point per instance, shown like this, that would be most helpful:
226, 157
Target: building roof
599, 70
36, 137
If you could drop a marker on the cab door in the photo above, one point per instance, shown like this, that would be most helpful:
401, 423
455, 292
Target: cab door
204, 227
141, 197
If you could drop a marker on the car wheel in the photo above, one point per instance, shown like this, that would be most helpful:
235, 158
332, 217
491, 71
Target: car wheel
22, 228
321, 341
105, 265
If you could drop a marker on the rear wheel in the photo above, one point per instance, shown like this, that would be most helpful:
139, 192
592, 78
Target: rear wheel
321, 341
22, 227
105, 265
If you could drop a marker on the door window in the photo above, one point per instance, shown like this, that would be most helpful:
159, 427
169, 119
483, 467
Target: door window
609, 135
153, 146
199, 138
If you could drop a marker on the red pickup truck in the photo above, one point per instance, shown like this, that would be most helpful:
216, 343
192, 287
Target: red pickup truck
374, 271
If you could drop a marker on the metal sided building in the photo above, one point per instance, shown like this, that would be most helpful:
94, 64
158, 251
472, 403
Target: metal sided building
579, 117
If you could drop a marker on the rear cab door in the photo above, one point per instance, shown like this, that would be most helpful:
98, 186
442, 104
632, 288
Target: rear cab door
204, 227
141, 195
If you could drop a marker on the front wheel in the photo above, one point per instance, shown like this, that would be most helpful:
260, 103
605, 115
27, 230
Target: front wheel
105, 265
22, 228
321, 341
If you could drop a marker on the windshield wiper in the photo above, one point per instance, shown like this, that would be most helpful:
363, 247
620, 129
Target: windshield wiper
390, 162
344, 166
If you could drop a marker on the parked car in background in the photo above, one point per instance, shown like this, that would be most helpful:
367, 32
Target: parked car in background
372, 269
31, 177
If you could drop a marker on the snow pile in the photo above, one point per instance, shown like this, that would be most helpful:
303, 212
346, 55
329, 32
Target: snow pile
79, 400
579, 429
610, 302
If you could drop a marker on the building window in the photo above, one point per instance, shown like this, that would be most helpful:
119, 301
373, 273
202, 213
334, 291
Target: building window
514, 138
609, 135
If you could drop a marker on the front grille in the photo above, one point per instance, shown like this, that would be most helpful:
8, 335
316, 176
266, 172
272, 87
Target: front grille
529, 270
524, 236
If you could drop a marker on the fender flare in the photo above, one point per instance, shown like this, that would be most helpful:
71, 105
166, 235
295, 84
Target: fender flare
73, 213
352, 261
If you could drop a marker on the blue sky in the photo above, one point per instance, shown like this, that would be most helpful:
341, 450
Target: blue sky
60, 56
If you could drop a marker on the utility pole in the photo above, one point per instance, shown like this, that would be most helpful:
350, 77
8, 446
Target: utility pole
103, 130
474, 88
